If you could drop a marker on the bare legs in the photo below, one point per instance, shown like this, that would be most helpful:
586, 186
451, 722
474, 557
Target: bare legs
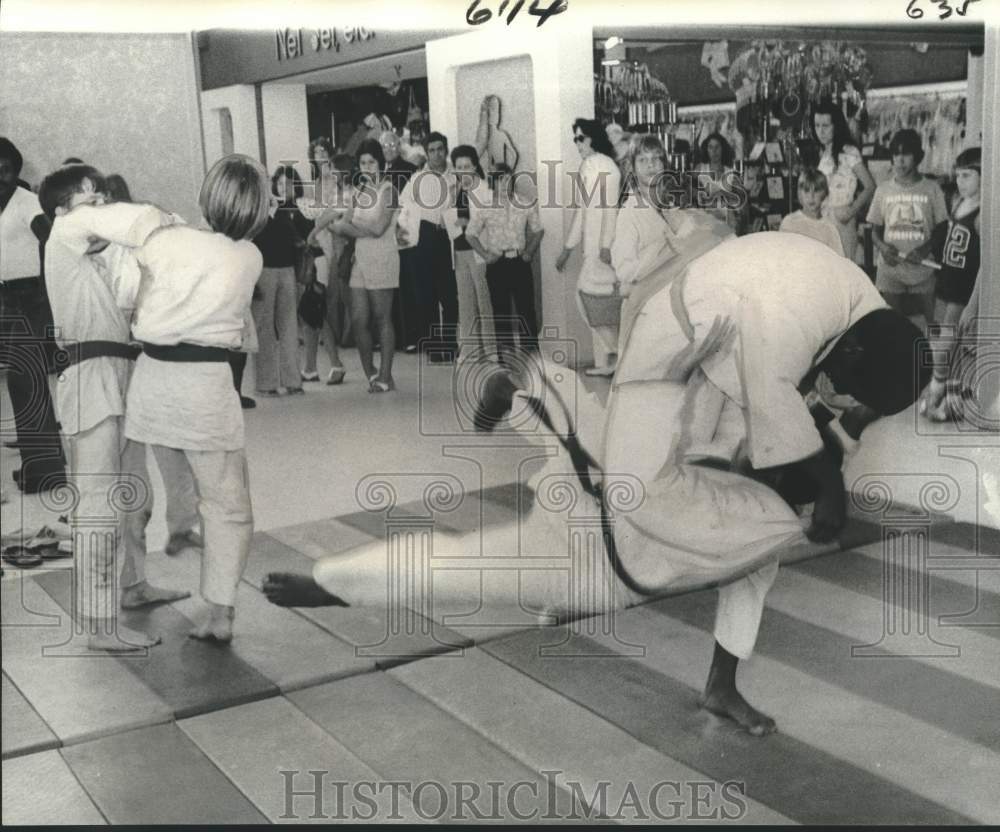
365, 303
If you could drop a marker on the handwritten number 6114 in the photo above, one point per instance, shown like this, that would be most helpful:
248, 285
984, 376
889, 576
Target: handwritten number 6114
476, 16
945, 10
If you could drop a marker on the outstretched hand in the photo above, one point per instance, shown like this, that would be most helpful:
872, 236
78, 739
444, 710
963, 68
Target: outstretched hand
694, 354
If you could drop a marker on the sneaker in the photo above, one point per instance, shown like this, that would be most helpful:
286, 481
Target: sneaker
313, 376
336, 375
247, 403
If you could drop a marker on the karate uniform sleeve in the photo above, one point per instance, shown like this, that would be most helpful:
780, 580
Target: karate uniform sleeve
125, 223
774, 356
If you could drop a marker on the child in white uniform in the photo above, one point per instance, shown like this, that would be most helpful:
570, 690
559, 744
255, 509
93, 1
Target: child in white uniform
192, 306
91, 404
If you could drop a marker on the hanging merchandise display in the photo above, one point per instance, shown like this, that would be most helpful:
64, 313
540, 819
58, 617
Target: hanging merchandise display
779, 81
628, 94
939, 120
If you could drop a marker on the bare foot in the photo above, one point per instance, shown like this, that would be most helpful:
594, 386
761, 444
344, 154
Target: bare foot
287, 590
730, 703
218, 627
183, 540
122, 640
143, 595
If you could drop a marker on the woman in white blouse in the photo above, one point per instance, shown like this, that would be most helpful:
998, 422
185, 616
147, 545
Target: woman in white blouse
851, 185
594, 224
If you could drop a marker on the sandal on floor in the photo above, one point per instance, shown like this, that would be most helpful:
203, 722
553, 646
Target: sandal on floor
336, 375
21, 557
379, 387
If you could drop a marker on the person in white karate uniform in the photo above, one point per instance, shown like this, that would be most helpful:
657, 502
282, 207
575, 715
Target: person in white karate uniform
88, 295
705, 415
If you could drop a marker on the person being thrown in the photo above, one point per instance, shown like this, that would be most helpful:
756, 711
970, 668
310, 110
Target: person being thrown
707, 416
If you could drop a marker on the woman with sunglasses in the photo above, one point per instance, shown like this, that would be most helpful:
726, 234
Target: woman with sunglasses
596, 191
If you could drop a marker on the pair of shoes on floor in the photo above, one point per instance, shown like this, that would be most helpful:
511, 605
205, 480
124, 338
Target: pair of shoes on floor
313, 376
247, 403
600, 372
336, 375
38, 484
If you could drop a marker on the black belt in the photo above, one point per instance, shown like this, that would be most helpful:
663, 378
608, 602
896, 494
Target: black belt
84, 350
583, 463
187, 353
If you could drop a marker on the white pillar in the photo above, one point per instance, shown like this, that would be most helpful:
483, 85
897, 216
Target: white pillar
286, 126
562, 72
236, 104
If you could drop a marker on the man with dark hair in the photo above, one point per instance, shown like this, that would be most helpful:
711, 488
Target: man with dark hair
26, 345
423, 202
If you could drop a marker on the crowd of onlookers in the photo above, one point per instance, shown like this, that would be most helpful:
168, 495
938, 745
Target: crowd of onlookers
374, 252
149, 320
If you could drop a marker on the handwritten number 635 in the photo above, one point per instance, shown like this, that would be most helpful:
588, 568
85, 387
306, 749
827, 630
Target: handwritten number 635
914, 11
476, 16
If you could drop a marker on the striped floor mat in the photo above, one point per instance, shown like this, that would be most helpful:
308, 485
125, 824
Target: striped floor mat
880, 663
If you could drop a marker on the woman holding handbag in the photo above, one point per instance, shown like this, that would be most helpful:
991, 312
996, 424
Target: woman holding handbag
371, 221
594, 225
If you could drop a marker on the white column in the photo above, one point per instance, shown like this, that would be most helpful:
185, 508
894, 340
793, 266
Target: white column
239, 101
562, 69
286, 126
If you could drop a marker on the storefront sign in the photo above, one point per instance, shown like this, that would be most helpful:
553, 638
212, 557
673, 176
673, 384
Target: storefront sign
246, 56
292, 43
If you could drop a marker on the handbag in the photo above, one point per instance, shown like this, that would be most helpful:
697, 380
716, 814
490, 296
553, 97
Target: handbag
602, 310
312, 305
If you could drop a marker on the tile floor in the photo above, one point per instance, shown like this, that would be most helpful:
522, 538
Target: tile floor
883, 717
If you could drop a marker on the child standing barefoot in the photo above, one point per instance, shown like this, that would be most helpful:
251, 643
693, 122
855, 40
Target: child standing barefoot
190, 311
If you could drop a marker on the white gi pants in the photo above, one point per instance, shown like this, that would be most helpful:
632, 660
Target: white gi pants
223, 488
110, 475
698, 525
